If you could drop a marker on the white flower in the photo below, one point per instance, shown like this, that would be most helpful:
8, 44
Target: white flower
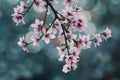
66, 68
35, 41
18, 9
71, 35
74, 66
47, 36
107, 33
71, 59
78, 22
62, 57
87, 41
68, 11
81, 40
18, 18
22, 44
23, 5
37, 26
97, 39
61, 50
41, 5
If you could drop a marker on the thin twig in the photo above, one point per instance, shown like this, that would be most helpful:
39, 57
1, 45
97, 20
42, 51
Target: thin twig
65, 38
29, 8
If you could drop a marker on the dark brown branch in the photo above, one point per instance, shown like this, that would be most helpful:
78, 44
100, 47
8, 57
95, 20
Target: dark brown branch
65, 38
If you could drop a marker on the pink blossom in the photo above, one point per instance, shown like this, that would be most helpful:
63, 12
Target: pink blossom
57, 24
87, 41
71, 36
22, 44
75, 47
107, 33
47, 36
71, 59
18, 18
66, 68
18, 9
62, 57
37, 26
23, 5
74, 51
54, 29
74, 66
97, 39
41, 5
61, 50
81, 40
68, 11
78, 22
35, 41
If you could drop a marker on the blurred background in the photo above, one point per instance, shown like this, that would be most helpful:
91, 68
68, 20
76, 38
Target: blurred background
100, 63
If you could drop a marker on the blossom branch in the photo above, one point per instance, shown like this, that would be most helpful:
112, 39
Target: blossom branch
65, 38
65, 24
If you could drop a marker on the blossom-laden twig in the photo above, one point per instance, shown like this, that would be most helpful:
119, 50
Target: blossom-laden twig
64, 26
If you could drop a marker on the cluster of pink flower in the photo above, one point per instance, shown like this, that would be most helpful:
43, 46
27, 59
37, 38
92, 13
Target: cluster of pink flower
65, 25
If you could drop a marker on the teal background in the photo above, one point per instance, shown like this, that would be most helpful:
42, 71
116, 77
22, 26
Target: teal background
100, 63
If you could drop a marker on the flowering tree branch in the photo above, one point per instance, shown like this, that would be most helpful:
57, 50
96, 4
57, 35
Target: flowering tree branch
65, 24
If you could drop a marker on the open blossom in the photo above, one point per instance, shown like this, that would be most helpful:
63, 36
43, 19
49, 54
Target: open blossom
74, 66
87, 41
18, 9
81, 40
18, 18
37, 26
78, 22
35, 41
74, 47
97, 40
60, 50
22, 44
54, 29
66, 68
23, 5
71, 59
71, 36
62, 57
68, 11
47, 36
41, 5
107, 33
75, 52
